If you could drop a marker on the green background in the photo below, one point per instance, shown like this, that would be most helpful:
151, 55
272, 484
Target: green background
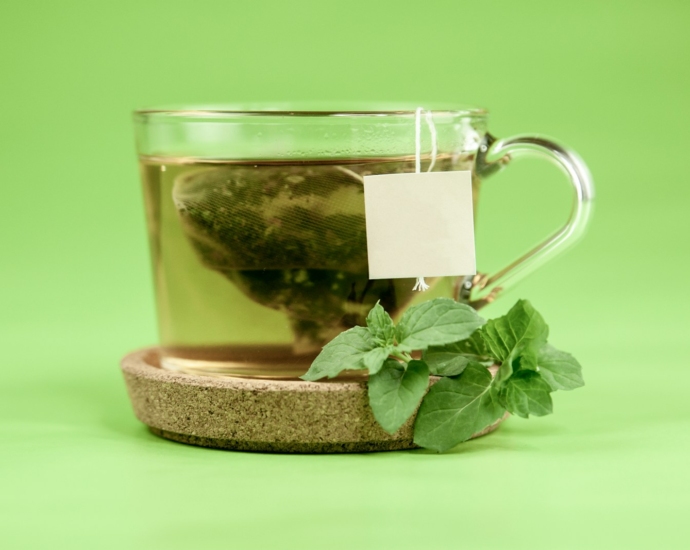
611, 79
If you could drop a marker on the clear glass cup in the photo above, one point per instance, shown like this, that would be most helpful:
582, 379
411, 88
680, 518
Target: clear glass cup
257, 231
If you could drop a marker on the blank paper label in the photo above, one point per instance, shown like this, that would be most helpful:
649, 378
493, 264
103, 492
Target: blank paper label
419, 225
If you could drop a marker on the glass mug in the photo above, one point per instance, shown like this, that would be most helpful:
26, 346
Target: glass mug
257, 230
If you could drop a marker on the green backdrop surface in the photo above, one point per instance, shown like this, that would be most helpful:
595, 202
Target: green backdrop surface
608, 470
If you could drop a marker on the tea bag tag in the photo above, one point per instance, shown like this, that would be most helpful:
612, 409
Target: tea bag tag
419, 222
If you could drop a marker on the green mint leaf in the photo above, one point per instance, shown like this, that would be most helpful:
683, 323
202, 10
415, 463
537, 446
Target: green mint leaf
527, 393
521, 332
374, 359
345, 351
505, 371
437, 322
448, 360
491, 409
475, 346
395, 392
455, 409
522, 328
526, 361
559, 369
381, 325
451, 359
403, 348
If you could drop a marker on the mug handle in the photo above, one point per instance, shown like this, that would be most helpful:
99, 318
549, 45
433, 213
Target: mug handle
481, 289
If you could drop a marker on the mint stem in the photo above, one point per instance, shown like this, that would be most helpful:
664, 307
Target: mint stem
402, 355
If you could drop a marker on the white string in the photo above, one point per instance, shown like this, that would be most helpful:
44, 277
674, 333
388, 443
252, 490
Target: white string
432, 132
420, 284
418, 140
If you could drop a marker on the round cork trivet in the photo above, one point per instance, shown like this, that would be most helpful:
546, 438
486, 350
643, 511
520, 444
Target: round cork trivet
248, 414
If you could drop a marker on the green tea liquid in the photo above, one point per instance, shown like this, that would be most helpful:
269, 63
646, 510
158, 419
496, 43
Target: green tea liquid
258, 264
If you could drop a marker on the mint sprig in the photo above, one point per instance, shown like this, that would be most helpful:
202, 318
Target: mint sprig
458, 346
527, 393
559, 369
456, 408
395, 392
346, 351
435, 323
516, 338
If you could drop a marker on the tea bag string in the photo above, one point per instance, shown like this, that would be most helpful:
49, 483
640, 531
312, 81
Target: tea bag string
421, 285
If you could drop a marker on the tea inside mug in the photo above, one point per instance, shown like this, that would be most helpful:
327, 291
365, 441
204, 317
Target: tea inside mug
290, 236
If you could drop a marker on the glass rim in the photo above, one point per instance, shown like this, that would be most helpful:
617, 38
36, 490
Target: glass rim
261, 111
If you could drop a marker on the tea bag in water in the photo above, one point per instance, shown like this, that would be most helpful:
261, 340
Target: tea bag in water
292, 238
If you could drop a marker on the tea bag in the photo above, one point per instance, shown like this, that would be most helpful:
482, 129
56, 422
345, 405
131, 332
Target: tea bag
290, 237
438, 234
277, 217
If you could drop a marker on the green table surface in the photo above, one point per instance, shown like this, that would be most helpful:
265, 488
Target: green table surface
608, 470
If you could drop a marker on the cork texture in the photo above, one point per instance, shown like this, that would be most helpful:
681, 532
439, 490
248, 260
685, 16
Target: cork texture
256, 414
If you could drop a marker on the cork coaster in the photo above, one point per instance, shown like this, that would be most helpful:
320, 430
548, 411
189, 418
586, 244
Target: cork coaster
260, 415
